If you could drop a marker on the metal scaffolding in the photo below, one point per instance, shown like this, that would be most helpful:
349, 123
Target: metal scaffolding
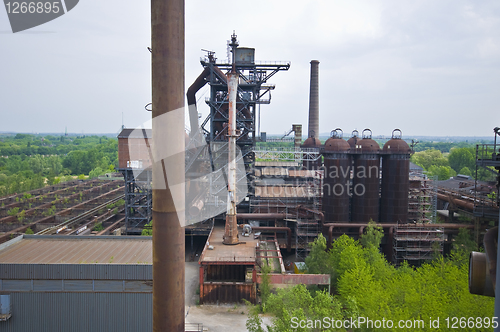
422, 199
417, 245
138, 200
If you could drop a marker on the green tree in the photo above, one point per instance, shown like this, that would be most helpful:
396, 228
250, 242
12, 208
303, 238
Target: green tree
465, 171
462, 157
428, 158
442, 172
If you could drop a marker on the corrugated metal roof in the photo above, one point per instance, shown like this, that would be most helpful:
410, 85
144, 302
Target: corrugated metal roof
78, 250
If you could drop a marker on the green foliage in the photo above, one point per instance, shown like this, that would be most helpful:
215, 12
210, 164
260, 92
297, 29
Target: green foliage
462, 246
428, 158
34, 161
442, 172
462, 157
465, 171
13, 211
148, 229
366, 285
98, 227
50, 211
21, 216
97, 172
29, 231
318, 261
265, 285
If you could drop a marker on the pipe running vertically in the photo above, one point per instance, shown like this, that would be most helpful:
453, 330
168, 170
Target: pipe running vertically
231, 229
167, 43
313, 126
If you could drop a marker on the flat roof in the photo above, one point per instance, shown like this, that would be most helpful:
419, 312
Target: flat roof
53, 249
243, 253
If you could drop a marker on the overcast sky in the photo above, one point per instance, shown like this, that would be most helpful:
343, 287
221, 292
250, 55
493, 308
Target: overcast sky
427, 67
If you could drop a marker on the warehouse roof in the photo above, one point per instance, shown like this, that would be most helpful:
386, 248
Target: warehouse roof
37, 249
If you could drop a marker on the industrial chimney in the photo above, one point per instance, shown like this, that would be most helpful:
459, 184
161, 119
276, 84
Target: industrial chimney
314, 101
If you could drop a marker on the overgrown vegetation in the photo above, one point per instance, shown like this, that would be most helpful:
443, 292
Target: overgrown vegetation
148, 229
364, 284
30, 162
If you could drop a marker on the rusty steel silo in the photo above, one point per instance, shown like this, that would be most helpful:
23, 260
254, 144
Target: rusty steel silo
337, 166
395, 180
354, 139
366, 182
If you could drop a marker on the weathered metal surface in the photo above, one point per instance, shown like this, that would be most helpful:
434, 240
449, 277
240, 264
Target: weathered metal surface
167, 43
78, 286
366, 182
313, 127
243, 253
79, 312
295, 279
233, 273
80, 250
354, 139
227, 292
337, 177
231, 227
395, 188
395, 180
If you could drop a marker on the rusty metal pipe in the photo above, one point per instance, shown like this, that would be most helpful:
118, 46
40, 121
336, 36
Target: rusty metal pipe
261, 216
167, 42
191, 95
191, 99
278, 229
361, 230
361, 227
357, 225
330, 236
231, 227
490, 247
459, 202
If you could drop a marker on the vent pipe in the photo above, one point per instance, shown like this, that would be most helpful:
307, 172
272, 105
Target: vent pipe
314, 101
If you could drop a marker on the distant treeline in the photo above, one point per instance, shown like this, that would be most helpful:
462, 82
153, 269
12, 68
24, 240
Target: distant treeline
31, 161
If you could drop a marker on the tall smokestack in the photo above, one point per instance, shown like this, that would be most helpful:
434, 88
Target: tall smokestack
314, 101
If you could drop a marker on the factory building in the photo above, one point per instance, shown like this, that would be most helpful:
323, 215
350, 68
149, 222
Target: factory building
69, 283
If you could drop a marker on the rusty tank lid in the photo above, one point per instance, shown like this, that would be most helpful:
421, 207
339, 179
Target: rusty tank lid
311, 142
367, 144
354, 138
336, 143
396, 145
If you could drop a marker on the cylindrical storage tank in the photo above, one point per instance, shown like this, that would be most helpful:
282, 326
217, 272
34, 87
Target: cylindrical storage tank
395, 180
354, 139
337, 166
309, 161
366, 183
